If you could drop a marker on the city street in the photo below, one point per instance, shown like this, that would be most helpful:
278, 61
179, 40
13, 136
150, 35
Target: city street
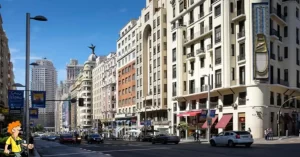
135, 149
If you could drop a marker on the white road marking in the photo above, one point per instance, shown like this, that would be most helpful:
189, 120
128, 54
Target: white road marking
129, 150
69, 154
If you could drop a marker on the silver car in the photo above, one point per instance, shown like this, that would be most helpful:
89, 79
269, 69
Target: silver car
232, 138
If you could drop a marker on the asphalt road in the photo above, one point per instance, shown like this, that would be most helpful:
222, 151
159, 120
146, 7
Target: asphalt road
135, 149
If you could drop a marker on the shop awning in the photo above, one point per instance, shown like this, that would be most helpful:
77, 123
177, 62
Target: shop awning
224, 121
189, 113
212, 122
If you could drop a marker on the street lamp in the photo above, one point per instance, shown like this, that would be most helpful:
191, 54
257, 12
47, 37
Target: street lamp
27, 64
278, 117
208, 104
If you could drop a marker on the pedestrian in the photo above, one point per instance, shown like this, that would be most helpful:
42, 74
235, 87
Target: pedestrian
195, 136
266, 134
270, 134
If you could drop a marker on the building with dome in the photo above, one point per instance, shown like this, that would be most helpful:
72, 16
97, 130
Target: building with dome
82, 88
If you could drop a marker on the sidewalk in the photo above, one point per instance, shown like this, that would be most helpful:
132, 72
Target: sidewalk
191, 140
282, 139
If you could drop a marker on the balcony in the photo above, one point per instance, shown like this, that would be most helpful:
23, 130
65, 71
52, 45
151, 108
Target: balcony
240, 15
218, 61
177, 25
190, 55
209, 47
191, 20
273, 56
242, 101
218, 85
241, 57
275, 35
200, 15
241, 34
284, 83
200, 52
204, 31
277, 16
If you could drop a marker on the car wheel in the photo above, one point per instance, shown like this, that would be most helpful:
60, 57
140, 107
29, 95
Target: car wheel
176, 142
230, 143
248, 145
212, 143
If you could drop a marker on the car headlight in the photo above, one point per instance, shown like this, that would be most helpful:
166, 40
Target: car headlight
78, 138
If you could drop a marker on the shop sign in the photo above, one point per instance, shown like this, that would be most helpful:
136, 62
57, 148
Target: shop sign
161, 123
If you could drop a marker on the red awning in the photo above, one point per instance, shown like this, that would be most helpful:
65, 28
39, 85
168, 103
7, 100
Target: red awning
189, 113
212, 122
224, 121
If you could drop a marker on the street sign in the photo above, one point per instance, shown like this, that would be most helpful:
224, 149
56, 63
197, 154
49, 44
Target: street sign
212, 113
38, 99
204, 113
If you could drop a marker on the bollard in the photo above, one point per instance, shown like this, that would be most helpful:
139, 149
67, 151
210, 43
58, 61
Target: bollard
286, 133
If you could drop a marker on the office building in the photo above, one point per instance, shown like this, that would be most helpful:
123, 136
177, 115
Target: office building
44, 78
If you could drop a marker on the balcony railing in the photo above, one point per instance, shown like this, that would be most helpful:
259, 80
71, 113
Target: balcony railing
285, 83
241, 34
218, 61
191, 20
241, 57
202, 31
200, 51
201, 15
242, 101
240, 12
276, 12
218, 84
273, 56
190, 55
202, 105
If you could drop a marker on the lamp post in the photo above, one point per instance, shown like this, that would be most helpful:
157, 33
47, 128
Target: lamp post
279, 112
27, 78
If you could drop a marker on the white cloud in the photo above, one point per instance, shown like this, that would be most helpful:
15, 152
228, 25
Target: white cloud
123, 10
14, 50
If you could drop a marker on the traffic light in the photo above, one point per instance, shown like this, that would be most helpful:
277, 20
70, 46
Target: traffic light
80, 102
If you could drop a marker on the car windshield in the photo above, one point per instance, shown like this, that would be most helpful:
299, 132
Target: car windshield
67, 136
95, 135
242, 132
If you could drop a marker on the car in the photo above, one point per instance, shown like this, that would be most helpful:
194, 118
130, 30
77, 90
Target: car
95, 138
232, 138
165, 138
67, 138
52, 138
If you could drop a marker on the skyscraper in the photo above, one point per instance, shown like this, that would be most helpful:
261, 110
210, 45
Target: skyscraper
44, 78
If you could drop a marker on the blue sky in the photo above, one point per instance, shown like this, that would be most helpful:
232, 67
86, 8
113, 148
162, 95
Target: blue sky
72, 26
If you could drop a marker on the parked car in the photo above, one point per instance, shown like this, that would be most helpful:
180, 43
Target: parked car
52, 138
165, 138
95, 138
232, 138
44, 137
67, 138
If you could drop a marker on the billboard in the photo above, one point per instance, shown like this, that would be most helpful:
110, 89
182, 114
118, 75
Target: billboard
34, 113
261, 28
38, 99
65, 114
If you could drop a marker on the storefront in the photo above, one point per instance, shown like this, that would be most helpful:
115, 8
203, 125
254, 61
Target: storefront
126, 123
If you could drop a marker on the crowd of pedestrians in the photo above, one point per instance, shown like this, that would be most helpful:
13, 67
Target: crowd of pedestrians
268, 134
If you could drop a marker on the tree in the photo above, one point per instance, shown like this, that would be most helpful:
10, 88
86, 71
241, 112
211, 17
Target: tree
182, 126
39, 127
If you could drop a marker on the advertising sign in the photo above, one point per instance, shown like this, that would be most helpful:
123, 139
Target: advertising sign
15, 101
65, 114
34, 113
38, 99
261, 28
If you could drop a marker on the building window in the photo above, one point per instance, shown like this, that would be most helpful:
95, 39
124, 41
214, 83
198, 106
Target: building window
286, 52
232, 74
174, 88
174, 36
218, 34
218, 59
174, 72
218, 78
217, 10
174, 55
